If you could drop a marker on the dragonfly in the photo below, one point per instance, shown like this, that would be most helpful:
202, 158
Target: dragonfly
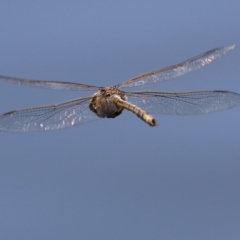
109, 102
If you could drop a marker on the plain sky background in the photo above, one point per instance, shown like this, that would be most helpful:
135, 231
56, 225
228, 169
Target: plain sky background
119, 178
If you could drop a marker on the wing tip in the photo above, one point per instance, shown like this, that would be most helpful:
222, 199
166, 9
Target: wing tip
229, 47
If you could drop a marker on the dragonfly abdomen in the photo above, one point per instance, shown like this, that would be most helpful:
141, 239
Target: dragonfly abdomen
136, 110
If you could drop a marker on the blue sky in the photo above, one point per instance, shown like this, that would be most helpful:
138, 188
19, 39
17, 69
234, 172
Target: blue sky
119, 178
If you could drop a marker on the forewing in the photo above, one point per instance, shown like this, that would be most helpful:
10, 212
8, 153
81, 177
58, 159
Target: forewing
177, 70
46, 118
184, 103
48, 84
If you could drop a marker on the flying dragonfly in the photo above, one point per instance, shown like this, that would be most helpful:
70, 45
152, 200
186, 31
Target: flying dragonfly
109, 102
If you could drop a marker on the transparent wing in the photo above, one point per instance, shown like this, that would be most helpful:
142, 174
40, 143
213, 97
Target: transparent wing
184, 103
45, 118
177, 70
48, 84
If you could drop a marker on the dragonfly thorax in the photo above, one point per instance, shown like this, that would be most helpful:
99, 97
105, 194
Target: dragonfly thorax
103, 103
